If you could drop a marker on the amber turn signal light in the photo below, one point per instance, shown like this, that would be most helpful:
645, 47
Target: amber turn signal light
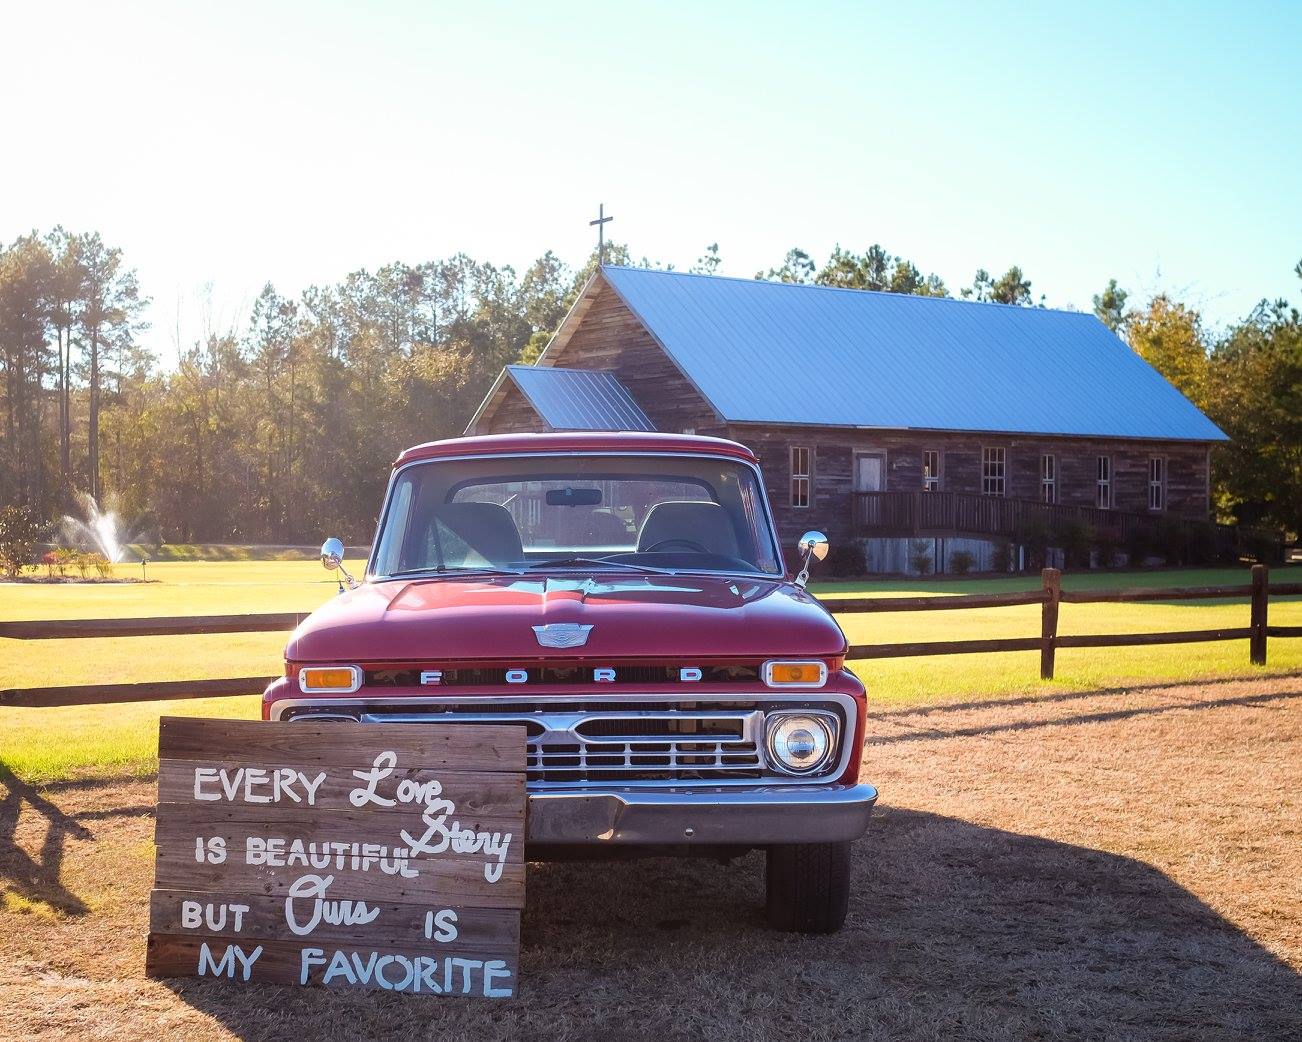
329, 679
795, 674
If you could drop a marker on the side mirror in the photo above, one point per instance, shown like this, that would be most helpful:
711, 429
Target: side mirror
332, 553
813, 546
332, 557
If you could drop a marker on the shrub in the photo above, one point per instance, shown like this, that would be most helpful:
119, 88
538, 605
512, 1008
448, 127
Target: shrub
846, 561
102, 565
961, 562
1173, 540
1106, 546
81, 561
1202, 548
1139, 545
1034, 536
49, 559
18, 535
63, 559
920, 556
1001, 558
1076, 539
1260, 546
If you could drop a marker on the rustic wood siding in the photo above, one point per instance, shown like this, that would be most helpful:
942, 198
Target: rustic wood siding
605, 335
833, 469
511, 413
609, 336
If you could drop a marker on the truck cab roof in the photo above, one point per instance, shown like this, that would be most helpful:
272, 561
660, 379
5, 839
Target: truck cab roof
578, 442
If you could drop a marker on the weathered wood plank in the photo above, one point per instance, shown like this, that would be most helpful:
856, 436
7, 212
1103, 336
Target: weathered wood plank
1125, 640
940, 602
442, 881
62, 629
148, 691
439, 746
441, 972
472, 792
254, 880
480, 930
943, 647
178, 824
1157, 593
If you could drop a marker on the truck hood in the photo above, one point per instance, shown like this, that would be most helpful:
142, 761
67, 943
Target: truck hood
632, 617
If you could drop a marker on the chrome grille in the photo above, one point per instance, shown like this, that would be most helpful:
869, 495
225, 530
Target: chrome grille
641, 741
680, 746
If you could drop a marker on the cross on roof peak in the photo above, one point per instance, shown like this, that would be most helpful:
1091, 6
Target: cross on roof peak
601, 222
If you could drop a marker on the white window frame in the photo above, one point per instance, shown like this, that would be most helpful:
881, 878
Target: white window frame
802, 477
1048, 477
994, 470
1103, 492
931, 477
1157, 479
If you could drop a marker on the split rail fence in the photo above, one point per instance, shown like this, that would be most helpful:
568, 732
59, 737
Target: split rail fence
1050, 597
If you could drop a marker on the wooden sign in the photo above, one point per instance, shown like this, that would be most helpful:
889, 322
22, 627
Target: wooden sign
367, 855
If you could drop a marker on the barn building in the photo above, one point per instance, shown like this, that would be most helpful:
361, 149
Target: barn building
877, 417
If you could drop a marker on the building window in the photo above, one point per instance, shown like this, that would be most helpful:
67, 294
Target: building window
689, 430
1048, 479
992, 472
1103, 484
1157, 483
801, 470
930, 470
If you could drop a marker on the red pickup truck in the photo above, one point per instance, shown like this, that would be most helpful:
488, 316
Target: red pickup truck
624, 598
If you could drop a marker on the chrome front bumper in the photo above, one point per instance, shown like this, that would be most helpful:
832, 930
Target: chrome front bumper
755, 816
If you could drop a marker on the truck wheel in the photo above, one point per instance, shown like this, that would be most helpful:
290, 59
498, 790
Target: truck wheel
808, 886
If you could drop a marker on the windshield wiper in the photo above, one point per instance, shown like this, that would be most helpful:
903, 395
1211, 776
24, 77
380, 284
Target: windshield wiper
434, 569
566, 562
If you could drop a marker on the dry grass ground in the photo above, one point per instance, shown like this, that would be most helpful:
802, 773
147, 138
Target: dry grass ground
1105, 865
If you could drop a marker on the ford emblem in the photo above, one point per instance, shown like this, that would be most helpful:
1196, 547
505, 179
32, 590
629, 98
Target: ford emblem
562, 634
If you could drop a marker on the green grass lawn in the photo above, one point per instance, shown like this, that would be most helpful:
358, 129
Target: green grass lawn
41, 744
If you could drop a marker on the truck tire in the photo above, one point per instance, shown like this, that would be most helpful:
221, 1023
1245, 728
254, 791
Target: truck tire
808, 886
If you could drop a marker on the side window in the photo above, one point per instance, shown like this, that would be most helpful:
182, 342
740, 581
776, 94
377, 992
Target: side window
930, 470
801, 473
992, 471
1048, 478
1103, 484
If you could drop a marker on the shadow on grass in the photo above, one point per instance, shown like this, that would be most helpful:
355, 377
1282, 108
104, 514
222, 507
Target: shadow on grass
39, 878
955, 931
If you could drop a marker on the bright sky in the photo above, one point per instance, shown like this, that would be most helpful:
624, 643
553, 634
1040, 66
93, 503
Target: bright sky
233, 143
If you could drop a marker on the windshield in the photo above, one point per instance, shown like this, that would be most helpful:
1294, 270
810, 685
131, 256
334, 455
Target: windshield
691, 513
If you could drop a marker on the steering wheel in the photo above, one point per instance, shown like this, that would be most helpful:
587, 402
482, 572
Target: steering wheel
664, 544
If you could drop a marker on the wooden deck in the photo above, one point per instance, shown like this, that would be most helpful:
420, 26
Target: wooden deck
963, 514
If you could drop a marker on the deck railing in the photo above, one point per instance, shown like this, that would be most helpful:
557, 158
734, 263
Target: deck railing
1050, 596
918, 514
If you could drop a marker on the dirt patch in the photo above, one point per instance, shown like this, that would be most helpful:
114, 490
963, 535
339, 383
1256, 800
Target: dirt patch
1117, 865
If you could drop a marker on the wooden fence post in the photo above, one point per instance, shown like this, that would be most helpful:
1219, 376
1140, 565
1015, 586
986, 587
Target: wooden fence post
1260, 593
1052, 580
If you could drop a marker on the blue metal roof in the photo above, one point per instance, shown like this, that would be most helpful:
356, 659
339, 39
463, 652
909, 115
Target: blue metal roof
579, 399
781, 353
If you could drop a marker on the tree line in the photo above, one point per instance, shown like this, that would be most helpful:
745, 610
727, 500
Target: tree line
285, 428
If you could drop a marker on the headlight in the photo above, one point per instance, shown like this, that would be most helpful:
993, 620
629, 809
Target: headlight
329, 680
802, 673
799, 743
